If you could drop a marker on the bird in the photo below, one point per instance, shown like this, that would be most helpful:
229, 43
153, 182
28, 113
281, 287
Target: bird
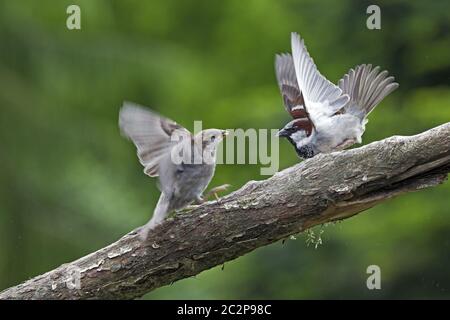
326, 117
183, 162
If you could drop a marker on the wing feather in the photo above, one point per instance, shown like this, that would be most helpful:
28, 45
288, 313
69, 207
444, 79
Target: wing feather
291, 93
366, 88
287, 81
321, 96
150, 133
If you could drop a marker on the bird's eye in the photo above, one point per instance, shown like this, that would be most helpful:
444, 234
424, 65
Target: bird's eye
213, 138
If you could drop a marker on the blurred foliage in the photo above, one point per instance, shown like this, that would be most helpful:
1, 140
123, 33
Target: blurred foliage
70, 184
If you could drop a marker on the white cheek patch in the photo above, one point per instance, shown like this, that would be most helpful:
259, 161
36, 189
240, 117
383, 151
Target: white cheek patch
300, 138
298, 135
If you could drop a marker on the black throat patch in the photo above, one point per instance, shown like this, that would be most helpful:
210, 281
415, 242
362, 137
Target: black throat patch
304, 152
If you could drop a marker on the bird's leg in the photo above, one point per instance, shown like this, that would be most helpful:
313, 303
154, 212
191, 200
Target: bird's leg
188, 208
214, 191
345, 144
202, 199
194, 205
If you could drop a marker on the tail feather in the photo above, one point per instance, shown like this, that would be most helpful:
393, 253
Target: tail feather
159, 214
366, 88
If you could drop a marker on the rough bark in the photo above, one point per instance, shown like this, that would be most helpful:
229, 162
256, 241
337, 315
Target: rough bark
325, 188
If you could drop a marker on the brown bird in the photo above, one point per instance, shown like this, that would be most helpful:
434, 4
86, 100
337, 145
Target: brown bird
184, 162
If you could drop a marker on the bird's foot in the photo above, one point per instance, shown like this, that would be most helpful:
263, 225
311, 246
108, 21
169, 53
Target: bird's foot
188, 208
199, 200
347, 143
214, 191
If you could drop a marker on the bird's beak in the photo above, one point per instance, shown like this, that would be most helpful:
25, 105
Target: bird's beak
225, 133
282, 133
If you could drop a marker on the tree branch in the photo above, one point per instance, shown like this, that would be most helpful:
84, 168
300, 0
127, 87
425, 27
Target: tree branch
325, 188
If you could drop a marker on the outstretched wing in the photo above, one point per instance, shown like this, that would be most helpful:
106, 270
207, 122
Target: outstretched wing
151, 134
366, 88
322, 98
292, 96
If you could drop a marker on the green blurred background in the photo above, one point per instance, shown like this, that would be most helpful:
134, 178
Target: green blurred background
70, 184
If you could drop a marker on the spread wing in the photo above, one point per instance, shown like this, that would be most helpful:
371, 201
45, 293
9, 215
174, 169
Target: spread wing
292, 96
151, 134
322, 98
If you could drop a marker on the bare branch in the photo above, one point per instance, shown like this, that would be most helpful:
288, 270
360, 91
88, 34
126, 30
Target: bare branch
325, 188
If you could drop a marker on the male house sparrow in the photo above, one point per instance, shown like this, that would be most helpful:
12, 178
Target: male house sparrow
326, 117
184, 162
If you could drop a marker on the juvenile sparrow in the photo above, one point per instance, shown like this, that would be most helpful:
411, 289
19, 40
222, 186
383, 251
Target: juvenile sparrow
184, 162
326, 117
